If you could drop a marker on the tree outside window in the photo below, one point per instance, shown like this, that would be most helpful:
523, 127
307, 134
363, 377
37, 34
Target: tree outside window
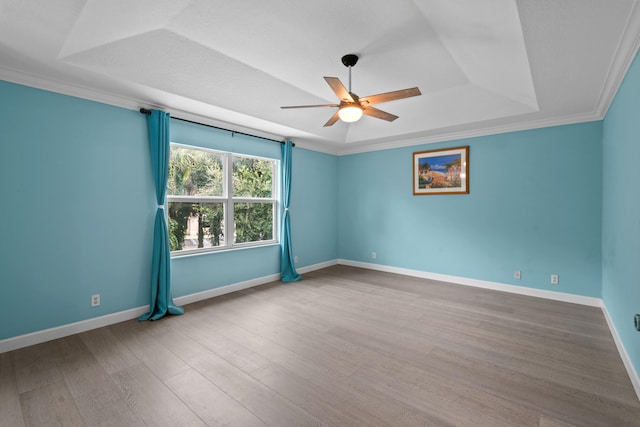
210, 192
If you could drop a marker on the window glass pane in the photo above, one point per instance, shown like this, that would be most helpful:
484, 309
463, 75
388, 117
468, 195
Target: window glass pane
252, 177
194, 172
195, 225
253, 222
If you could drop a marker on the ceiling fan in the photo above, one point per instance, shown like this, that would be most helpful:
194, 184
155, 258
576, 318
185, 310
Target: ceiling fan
351, 106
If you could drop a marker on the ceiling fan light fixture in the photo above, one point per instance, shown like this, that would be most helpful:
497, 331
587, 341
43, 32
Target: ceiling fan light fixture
351, 107
350, 113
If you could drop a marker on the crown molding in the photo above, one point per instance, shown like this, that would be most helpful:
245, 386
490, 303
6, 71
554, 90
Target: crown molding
626, 52
127, 102
627, 48
491, 130
70, 89
83, 92
319, 146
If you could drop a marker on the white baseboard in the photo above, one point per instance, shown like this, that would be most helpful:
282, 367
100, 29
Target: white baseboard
315, 267
222, 290
540, 293
633, 375
38, 337
45, 335
212, 293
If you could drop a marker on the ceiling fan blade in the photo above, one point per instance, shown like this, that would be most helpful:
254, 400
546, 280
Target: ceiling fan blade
379, 114
311, 106
332, 120
390, 96
339, 89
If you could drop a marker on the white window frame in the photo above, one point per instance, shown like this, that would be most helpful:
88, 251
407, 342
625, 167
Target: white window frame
228, 200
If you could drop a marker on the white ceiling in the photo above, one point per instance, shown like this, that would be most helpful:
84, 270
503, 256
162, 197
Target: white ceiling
483, 66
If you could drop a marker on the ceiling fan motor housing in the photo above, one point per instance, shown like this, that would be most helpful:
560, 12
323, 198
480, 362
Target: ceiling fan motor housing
352, 107
350, 60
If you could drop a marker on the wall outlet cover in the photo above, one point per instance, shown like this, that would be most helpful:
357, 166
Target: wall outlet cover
95, 300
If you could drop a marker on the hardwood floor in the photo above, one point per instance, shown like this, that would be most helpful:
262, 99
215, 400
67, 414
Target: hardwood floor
344, 347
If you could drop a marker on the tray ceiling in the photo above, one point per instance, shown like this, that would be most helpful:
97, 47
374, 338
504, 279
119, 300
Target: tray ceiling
482, 66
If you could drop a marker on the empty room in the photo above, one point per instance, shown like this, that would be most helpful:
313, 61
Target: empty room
328, 214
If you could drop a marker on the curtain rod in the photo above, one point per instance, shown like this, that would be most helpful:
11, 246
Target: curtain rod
148, 112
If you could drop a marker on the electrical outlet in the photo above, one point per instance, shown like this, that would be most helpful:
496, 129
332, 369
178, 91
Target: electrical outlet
517, 274
374, 255
554, 279
95, 300
295, 259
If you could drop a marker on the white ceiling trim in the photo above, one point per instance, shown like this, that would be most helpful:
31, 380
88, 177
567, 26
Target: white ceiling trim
129, 103
493, 130
625, 53
626, 50
65, 88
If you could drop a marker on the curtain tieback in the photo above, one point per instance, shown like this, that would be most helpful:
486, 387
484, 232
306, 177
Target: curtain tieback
161, 207
286, 209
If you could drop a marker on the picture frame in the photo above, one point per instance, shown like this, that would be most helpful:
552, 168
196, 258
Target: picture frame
444, 171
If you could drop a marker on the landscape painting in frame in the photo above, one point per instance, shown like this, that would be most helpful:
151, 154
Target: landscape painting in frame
441, 171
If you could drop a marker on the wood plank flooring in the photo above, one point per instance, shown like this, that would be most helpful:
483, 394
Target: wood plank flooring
344, 347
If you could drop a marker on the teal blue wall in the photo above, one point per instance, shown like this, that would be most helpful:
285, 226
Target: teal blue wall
314, 198
621, 211
312, 211
197, 273
534, 205
76, 216
77, 211
78, 207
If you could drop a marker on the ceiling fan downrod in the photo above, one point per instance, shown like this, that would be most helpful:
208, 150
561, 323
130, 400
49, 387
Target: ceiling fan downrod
350, 106
349, 61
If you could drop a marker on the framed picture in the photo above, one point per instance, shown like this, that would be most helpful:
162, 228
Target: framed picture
441, 171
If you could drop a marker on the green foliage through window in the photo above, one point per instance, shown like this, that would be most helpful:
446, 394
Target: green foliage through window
194, 172
202, 206
252, 177
253, 222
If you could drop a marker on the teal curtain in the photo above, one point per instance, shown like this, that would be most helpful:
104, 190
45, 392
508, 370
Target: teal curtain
161, 300
287, 269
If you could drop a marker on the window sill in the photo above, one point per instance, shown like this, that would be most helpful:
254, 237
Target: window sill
209, 251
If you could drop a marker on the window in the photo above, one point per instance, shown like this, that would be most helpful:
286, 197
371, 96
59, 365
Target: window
210, 192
